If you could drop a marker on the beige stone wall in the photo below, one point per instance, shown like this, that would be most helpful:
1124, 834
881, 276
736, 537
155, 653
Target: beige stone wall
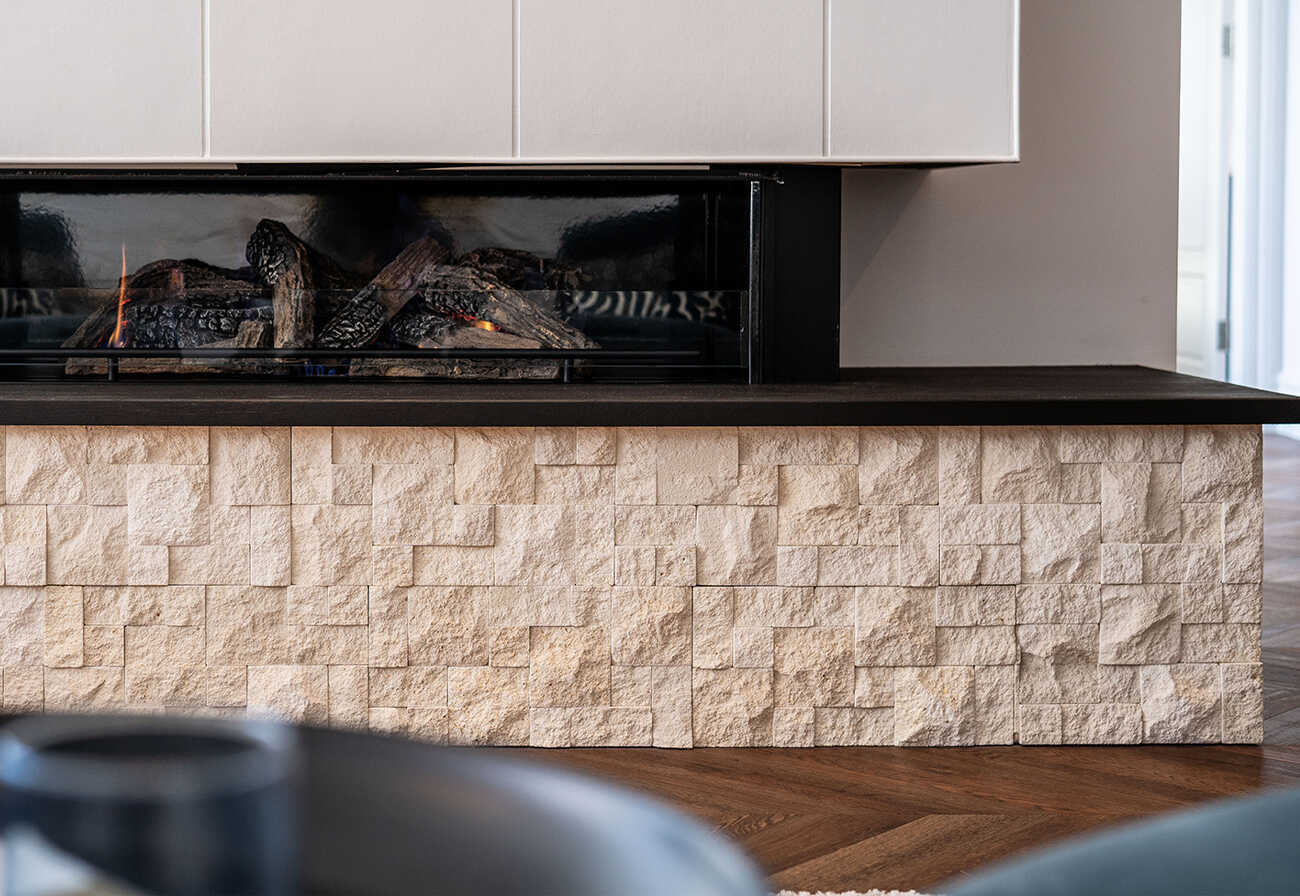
673, 587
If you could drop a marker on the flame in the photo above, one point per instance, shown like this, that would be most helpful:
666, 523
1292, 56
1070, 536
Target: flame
118, 338
484, 325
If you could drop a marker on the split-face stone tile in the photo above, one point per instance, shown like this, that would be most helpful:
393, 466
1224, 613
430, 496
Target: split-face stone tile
575, 485
215, 563
429, 725
1201, 563
508, 646
959, 465
979, 524
1242, 603
1080, 483
147, 445
326, 604
408, 687
918, 545
752, 648
553, 545
635, 475
569, 666
818, 505
873, 686
45, 464
834, 606
86, 545
494, 466
1202, 603
448, 565
1039, 724
990, 564
1243, 542
1202, 524
63, 627
165, 665
1058, 663
794, 726
1140, 624
848, 565
270, 545
445, 626
1220, 642
83, 689
757, 485
225, 686
331, 544
144, 605
349, 701
760, 607
148, 564
776, 445
712, 619
488, 705
696, 465
1101, 723
1140, 503
596, 445
675, 566
670, 701
1019, 465
167, 504
609, 726
298, 694
351, 484
1181, 703
732, 707
654, 525
311, 464
1243, 703
1221, 463
555, 445
1058, 603
24, 564
995, 704
847, 726
1123, 444
1061, 543
632, 685
1163, 564
934, 705
895, 627
814, 667
392, 445
403, 496
249, 465
879, 524
651, 626
105, 484
796, 565
104, 645
246, 626
393, 566
388, 627
1118, 684
24, 544
634, 565
975, 605
736, 545
975, 645
898, 465
24, 688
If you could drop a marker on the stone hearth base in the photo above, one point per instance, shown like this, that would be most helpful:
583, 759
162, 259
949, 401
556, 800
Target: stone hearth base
674, 587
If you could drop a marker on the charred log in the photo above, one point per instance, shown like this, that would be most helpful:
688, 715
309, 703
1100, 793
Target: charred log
188, 324
298, 276
456, 368
361, 318
468, 295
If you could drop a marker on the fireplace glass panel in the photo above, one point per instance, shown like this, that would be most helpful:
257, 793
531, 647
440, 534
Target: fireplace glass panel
443, 276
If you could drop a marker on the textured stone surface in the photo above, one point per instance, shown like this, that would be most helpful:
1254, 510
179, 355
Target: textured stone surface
560, 586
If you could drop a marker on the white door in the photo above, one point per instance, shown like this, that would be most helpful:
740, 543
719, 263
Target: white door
386, 80
92, 80
670, 79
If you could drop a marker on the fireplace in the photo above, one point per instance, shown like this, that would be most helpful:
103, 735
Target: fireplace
483, 275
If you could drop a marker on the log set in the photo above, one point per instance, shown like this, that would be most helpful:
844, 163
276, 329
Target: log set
294, 296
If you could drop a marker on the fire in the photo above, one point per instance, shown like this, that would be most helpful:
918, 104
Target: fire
485, 325
118, 338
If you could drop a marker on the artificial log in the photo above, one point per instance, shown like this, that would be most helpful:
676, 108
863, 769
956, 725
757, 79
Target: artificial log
360, 319
522, 270
299, 276
455, 368
468, 295
190, 323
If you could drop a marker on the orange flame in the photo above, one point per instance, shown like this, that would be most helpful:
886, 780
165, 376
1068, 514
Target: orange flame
485, 325
118, 338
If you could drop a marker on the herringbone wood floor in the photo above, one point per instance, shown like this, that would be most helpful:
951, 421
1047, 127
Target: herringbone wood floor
856, 818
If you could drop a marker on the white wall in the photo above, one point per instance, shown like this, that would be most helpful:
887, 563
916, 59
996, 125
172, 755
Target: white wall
1070, 256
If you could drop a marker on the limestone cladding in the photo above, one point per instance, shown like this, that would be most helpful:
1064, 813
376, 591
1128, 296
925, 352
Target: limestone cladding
668, 586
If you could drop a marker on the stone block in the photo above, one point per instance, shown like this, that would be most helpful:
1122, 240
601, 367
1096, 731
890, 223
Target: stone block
446, 626
775, 606
814, 667
1058, 663
895, 627
975, 645
298, 694
757, 485
1101, 723
569, 666
170, 605
388, 627
1202, 603
596, 445
575, 485
555, 445
1242, 603
634, 565
959, 465
1039, 724
83, 689
818, 505
105, 484
428, 725
246, 626
147, 564
736, 545
225, 686
968, 564
1140, 624
508, 646
1019, 465
408, 687
675, 566
165, 665
798, 445
1181, 703
86, 545
45, 464
1118, 684
167, 504
63, 624
793, 726
322, 645
270, 545
732, 707
712, 618
834, 606
104, 645
488, 705
796, 565
1121, 564
393, 565
898, 465
651, 626
351, 484
24, 688
850, 565
632, 685
220, 563
696, 465
979, 524
1220, 642
349, 705
751, 648
1200, 563
403, 497
1124, 444
331, 544
1243, 542
494, 466
393, 445
1243, 703
147, 445
975, 605
250, 465
654, 525
22, 626
851, 726
995, 704
1221, 463
873, 686
1163, 564
1141, 502
1080, 483
879, 524
452, 566
671, 702
1202, 524
935, 705
1061, 543
310, 464
918, 545
609, 726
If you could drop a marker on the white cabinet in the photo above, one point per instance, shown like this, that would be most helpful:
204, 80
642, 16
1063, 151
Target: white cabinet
670, 79
90, 79
923, 80
382, 79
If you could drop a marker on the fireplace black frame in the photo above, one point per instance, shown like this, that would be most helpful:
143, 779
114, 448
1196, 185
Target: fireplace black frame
792, 333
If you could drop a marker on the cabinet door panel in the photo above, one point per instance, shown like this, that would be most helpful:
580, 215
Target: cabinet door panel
648, 79
383, 79
923, 79
90, 79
